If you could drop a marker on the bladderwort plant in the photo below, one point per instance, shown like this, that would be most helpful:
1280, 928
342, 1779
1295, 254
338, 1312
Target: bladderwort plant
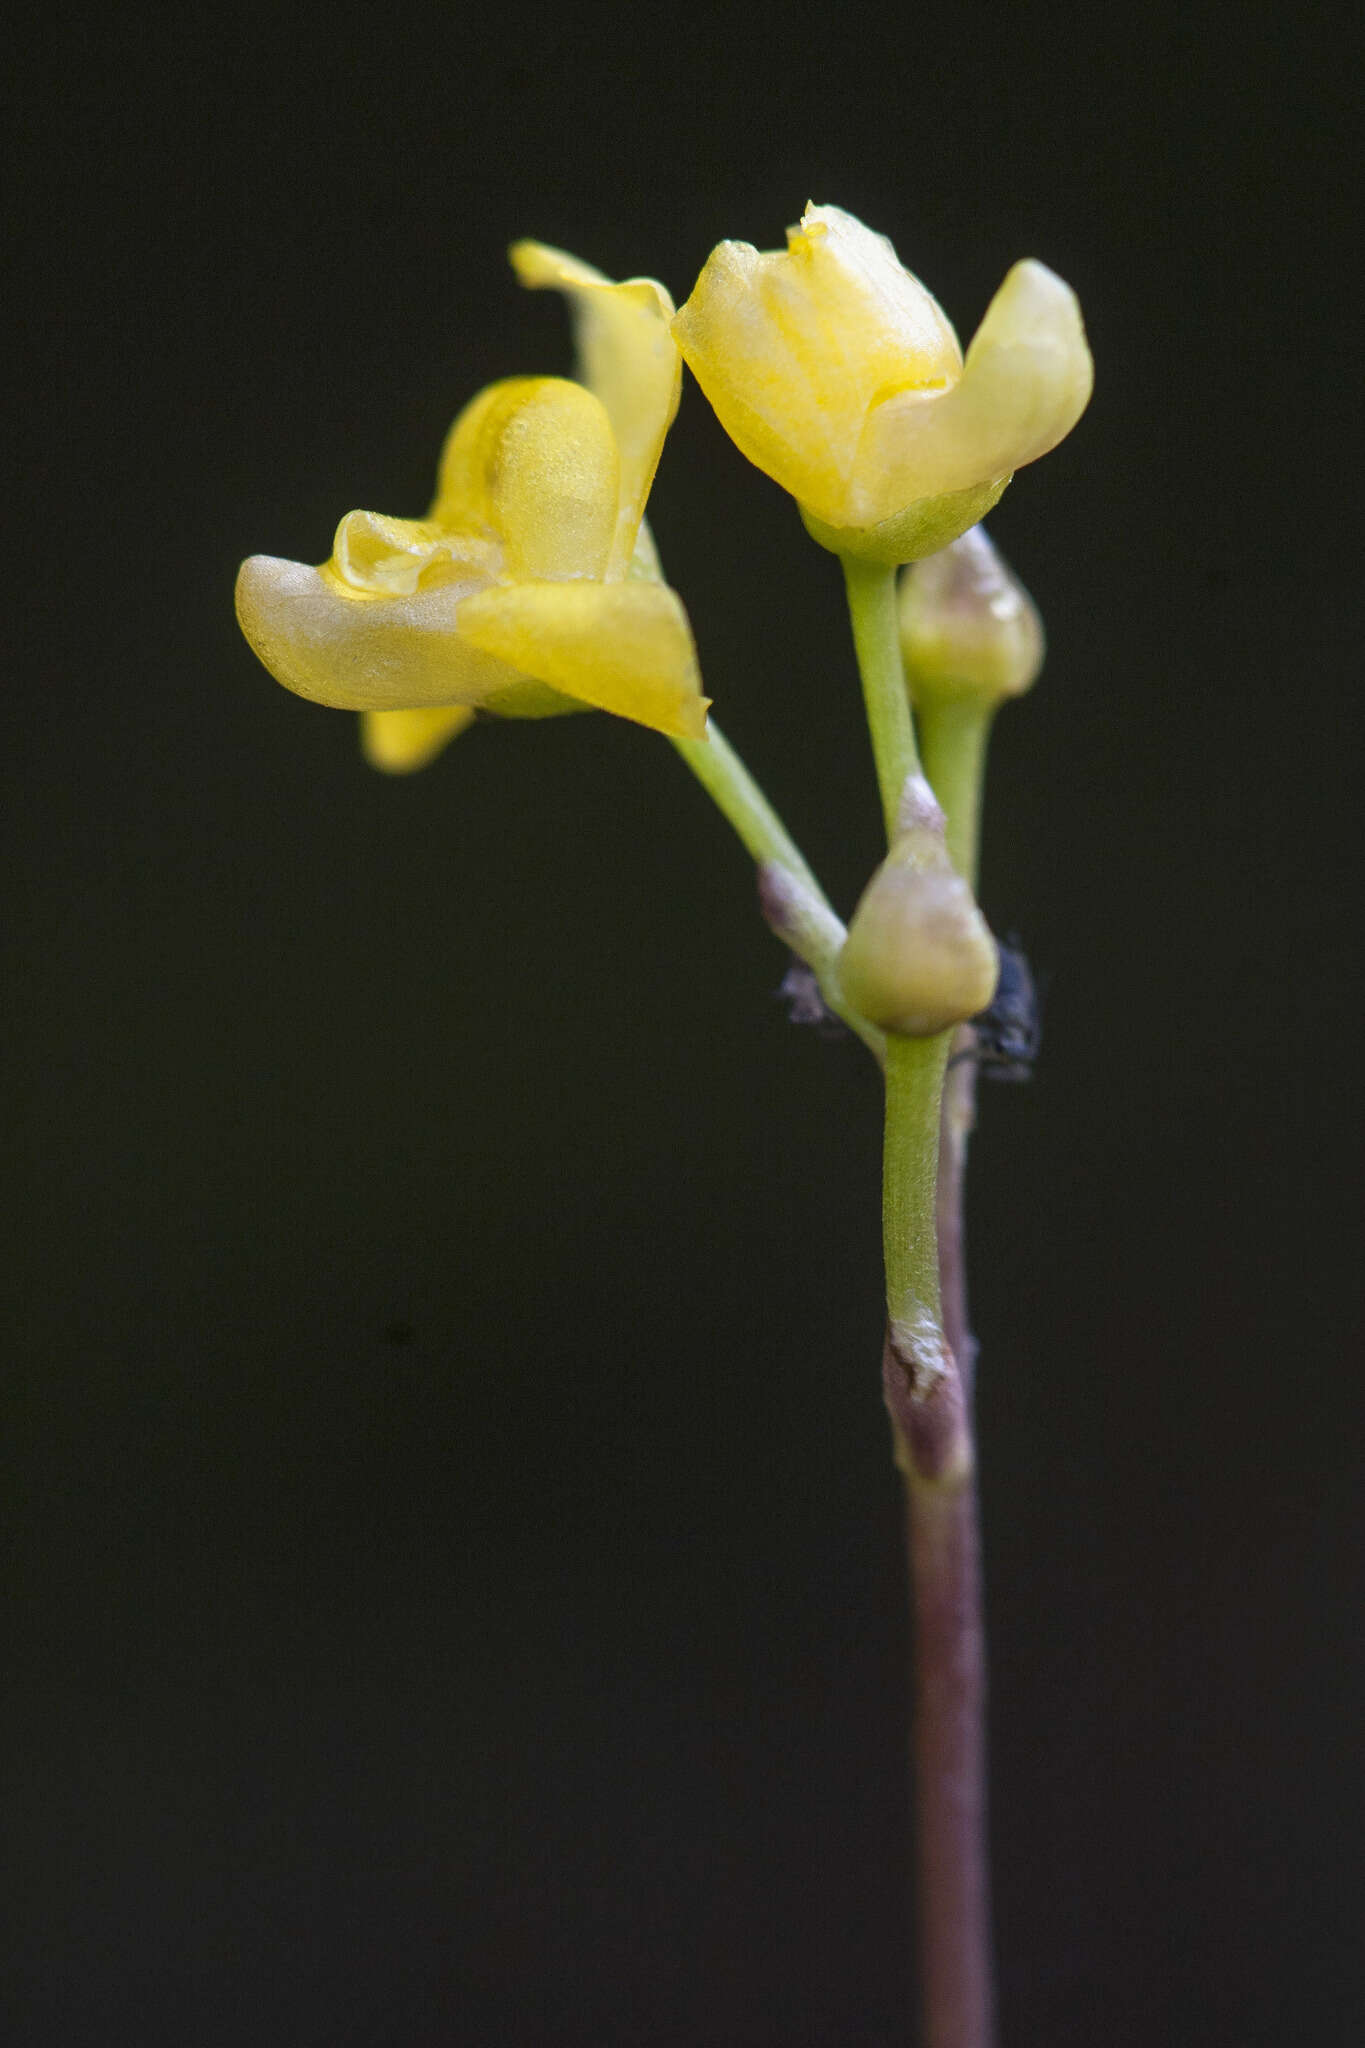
532, 588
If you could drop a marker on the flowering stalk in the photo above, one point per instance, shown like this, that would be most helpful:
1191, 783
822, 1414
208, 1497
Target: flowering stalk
943, 1539
929, 1404
532, 589
954, 737
971, 637
871, 591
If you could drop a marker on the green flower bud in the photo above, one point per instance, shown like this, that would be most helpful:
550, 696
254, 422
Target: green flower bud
969, 629
919, 955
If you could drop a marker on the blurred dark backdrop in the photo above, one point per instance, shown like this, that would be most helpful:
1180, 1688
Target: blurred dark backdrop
452, 1565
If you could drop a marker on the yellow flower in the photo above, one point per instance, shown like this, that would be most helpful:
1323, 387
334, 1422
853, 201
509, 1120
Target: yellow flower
526, 591
834, 370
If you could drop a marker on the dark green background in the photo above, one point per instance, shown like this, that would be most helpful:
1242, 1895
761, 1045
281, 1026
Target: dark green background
451, 1560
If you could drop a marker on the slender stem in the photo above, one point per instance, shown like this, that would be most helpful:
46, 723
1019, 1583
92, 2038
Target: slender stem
923, 1386
958, 1119
793, 903
724, 777
954, 737
931, 1418
914, 1079
942, 1526
930, 1410
952, 1863
871, 591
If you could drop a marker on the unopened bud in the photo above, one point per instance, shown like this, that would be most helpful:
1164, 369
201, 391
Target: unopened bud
919, 955
969, 629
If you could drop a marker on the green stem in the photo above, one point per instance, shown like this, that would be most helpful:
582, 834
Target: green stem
954, 737
732, 788
914, 1066
871, 588
793, 903
914, 1085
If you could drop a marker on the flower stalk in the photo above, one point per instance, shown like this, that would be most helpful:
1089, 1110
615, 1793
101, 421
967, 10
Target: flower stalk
953, 739
871, 591
971, 637
793, 904
924, 1377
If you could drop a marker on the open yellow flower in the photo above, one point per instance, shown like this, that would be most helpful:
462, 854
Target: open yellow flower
520, 593
836, 372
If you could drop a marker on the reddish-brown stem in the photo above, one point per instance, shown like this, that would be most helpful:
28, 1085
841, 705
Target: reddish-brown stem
950, 1764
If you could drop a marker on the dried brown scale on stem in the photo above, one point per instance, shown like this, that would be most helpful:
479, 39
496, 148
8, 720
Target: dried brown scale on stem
798, 915
780, 902
927, 1403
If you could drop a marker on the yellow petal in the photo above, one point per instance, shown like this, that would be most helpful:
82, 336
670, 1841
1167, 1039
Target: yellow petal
399, 741
792, 349
1026, 382
527, 699
623, 647
533, 462
627, 357
335, 645
879, 318
461, 501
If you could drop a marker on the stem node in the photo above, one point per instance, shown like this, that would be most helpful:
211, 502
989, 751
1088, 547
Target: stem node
927, 1404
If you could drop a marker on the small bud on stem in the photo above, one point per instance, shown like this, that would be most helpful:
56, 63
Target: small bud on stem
919, 955
969, 630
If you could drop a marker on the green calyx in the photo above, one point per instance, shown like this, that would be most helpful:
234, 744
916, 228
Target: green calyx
922, 528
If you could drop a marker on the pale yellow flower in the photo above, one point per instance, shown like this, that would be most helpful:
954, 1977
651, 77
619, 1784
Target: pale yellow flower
836, 372
521, 592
